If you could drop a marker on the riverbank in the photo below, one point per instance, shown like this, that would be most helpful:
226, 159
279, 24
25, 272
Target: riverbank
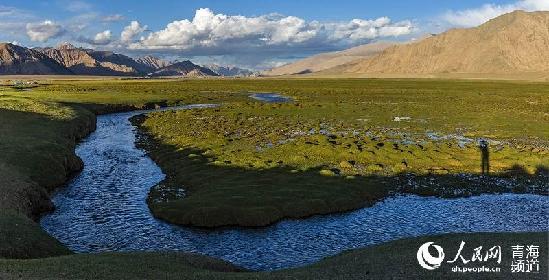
393, 260
39, 130
37, 147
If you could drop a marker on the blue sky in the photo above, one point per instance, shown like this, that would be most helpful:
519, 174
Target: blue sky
253, 34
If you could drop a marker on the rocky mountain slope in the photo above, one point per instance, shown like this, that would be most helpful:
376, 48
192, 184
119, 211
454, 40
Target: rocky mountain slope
153, 62
90, 62
517, 42
67, 59
328, 60
17, 60
183, 68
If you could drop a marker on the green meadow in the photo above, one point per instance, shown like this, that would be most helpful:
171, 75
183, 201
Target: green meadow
341, 145
338, 145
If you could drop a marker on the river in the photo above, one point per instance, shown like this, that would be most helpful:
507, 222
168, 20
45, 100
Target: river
104, 209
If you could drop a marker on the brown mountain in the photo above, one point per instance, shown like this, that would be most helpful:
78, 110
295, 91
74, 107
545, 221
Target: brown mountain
90, 62
16, 60
184, 68
517, 42
69, 60
328, 60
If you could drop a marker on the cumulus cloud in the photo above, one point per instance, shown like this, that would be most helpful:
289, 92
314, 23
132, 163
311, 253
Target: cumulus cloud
219, 34
480, 15
131, 31
103, 38
43, 31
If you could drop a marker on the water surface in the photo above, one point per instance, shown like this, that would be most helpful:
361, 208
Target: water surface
104, 209
270, 97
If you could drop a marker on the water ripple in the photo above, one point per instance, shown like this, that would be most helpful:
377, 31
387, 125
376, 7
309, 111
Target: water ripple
104, 209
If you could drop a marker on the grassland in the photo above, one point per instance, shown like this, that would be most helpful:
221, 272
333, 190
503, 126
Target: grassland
343, 145
40, 126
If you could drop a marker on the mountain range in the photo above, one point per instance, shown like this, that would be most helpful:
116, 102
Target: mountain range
510, 44
231, 71
20, 60
67, 59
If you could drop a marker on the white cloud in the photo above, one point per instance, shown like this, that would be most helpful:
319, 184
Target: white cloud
480, 15
131, 31
113, 18
219, 34
103, 38
43, 31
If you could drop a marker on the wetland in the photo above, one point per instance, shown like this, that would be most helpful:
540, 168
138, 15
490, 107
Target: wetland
266, 183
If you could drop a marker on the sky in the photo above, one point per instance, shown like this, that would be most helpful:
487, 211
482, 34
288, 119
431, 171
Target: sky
245, 33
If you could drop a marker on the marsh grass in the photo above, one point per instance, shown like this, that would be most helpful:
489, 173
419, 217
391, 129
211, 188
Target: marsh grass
340, 145
202, 191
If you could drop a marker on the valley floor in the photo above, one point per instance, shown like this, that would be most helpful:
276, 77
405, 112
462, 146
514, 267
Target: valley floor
366, 133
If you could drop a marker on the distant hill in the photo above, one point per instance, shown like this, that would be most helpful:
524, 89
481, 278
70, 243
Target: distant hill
90, 62
328, 60
517, 42
67, 59
183, 68
228, 71
17, 60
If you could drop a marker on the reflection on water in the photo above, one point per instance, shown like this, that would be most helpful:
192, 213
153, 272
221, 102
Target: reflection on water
104, 209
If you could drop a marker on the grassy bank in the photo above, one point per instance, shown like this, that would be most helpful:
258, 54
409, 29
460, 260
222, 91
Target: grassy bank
393, 260
39, 129
341, 145
37, 147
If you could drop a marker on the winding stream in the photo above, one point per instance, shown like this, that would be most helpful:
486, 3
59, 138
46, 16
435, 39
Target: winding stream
104, 209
